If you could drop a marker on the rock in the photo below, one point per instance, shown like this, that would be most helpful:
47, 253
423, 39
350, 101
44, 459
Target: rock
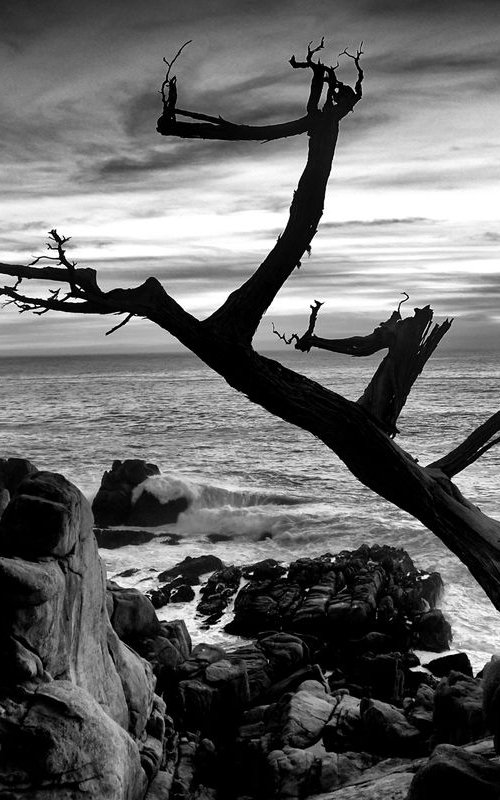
387, 731
296, 773
343, 730
148, 509
113, 502
431, 631
75, 749
456, 662
218, 589
13, 471
491, 697
454, 772
458, 710
284, 652
265, 605
182, 594
298, 719
421, 713
191, 568
111, 539
263, 570
132, 616
72, 694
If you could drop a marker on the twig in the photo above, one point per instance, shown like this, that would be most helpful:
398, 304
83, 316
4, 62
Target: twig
120, 324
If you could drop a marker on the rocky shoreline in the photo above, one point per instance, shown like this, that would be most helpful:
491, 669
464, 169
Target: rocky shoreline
324, 699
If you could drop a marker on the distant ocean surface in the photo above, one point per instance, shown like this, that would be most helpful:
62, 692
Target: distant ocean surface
249, 474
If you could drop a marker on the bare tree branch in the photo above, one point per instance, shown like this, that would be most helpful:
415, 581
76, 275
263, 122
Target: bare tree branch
472, 448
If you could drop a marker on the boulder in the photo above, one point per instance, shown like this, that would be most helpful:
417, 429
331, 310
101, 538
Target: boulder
72, 694
454, 772
432, 631
456, 662
458, 710
387, 731
491, 698
132, 614
343, 730
190, 568
298, 720
113, 502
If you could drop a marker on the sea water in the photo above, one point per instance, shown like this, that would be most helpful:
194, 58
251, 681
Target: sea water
270, 489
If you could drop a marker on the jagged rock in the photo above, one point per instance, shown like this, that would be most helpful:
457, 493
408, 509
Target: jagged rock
432, 631
458, 710
72, 694
113, 502
455, 772
455, 662
218, 589
190, 568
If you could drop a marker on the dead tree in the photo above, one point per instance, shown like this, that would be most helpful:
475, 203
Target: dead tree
360, 433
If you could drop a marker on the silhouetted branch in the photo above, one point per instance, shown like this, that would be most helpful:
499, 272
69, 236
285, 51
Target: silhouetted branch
282, 336
120, 324
474, 446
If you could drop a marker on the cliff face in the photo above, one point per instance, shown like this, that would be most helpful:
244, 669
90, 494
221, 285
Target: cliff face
76, 704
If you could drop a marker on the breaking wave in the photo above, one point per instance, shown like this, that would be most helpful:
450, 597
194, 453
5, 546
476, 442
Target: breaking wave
229, 511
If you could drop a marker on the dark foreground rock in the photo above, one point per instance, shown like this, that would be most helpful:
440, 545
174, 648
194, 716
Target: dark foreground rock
98, 698
125, 497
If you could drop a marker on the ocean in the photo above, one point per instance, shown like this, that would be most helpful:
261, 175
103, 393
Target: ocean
273, 489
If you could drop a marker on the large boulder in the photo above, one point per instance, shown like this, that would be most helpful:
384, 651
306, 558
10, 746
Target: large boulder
70, 691
130, 494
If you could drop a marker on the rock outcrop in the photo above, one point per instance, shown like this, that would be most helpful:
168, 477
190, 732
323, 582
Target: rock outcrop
72, 694
126, 497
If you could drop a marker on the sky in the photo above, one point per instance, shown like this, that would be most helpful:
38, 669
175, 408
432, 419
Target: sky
412, 203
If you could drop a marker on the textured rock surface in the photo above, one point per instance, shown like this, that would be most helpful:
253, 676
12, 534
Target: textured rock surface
69, 688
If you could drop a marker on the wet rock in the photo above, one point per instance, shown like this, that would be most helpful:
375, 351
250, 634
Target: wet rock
148, 509
455, 772
284, 652
191, 568
456, 662
111, 539
182, 594
217, 591
113, 502
265, 605
264, 570
432, 631
458, 710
